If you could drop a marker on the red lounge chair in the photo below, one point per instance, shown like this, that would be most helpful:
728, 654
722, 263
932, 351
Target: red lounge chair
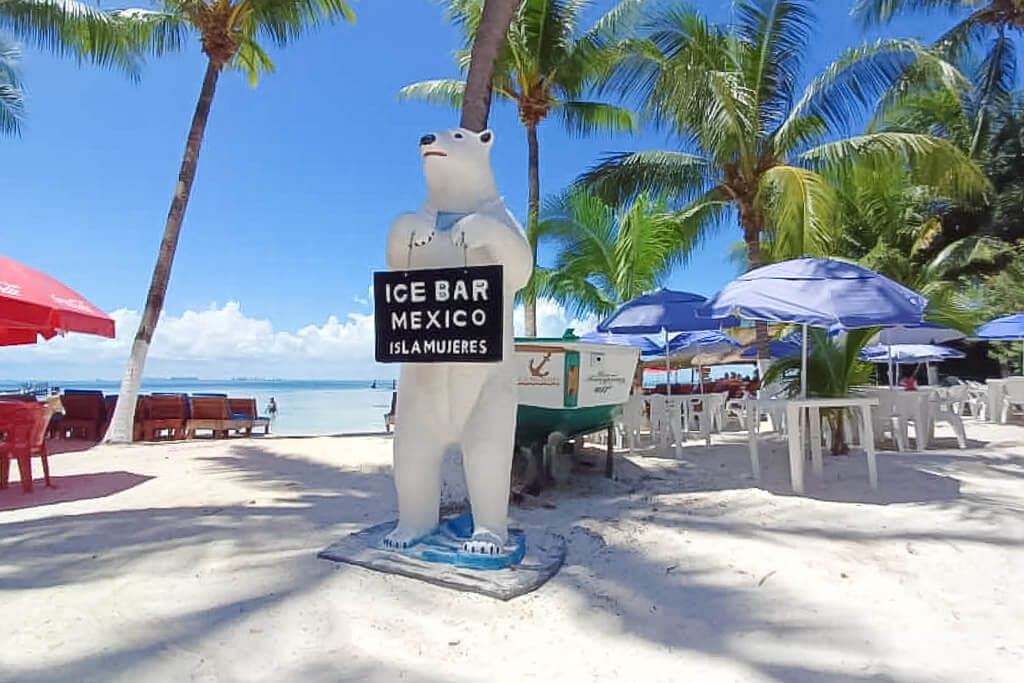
84, 413
163, 413
24, 425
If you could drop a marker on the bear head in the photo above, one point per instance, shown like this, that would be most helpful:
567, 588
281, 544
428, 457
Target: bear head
457, 166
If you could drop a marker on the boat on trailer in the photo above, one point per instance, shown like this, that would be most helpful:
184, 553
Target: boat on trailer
569, 388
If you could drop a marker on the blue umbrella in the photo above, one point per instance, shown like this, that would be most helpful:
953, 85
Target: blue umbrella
663, 311
924, 333
699, 340
1010, 328
904, 354
648, 347
779, 348
818, 292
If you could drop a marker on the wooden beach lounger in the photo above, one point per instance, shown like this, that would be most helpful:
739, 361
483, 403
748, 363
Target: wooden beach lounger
245, 409
163, 413
84, 413
213, 413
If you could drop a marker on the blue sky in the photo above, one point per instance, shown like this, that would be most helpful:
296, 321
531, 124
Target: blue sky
298, 182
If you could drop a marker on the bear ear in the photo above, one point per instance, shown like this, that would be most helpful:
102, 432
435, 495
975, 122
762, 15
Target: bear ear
487, 137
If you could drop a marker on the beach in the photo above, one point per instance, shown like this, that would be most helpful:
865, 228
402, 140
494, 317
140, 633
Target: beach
197, 561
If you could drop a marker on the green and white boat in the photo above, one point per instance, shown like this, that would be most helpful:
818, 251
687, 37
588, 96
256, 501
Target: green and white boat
569, 387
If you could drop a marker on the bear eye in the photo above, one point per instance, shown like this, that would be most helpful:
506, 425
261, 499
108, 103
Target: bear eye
457, 136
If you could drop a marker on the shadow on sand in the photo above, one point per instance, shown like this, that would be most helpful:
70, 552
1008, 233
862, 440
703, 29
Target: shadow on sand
678, 604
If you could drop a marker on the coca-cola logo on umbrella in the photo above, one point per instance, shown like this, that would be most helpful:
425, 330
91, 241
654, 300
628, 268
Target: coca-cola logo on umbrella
73, 304
9, 289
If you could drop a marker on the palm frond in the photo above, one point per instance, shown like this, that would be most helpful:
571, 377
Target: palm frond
282, 21
442, 91
929, 160
12, 100
75, 29
878, 12
585, 118
800, 207
626, 174
857, 81
778, 31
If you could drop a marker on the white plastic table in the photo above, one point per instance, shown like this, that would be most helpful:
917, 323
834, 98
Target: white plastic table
794, 408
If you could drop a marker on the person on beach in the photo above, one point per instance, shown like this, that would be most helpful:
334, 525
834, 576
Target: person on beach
272, 408
55, 409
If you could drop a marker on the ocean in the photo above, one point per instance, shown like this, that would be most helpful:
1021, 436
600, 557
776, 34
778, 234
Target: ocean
304, 407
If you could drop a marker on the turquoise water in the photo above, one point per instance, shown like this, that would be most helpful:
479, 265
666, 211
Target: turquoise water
303, 406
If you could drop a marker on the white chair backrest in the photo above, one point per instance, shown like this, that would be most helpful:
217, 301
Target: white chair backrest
1014, 388
658, 407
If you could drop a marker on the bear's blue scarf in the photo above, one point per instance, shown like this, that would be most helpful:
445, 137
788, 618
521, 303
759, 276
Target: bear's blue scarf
446, 220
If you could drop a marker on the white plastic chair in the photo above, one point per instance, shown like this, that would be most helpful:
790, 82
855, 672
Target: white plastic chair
942, 405
977, 399
886, 418
631, 420
1013, 398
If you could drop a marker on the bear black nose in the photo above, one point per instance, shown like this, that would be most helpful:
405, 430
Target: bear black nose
428, 139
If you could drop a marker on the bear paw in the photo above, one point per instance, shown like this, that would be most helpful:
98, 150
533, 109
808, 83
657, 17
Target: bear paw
484, 543
420, 241
402, 539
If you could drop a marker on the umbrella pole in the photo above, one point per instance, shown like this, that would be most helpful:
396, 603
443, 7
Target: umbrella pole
1022, 356
803, 365
668, 365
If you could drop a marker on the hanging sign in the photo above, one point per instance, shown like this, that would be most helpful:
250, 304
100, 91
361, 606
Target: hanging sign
442, 315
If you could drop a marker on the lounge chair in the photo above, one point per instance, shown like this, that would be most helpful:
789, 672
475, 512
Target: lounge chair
1013, 398
162, 413
245, 409
25, 426
213, 413
84, 414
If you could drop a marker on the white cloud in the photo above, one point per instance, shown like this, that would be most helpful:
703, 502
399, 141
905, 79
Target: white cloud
221, 342
553, 320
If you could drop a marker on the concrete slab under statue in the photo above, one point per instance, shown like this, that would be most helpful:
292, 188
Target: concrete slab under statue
523, 565
443, 310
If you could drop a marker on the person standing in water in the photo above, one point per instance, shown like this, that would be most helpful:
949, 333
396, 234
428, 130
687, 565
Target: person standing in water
272, 408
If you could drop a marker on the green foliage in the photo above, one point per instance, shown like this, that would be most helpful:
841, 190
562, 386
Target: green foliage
12, 101
833, 369
607, 255
76, 29
250, 23
548, 63
1003, 294
755, 143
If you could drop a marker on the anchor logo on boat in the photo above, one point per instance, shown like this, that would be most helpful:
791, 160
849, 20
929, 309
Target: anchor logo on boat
538, 369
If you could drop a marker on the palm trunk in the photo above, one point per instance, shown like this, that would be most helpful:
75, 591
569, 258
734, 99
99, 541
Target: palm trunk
532, 218
121, 426
490, 34
752, 236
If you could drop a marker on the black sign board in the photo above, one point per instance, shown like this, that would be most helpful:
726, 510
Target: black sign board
441, 315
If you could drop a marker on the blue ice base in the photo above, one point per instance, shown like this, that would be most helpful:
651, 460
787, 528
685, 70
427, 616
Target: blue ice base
444, 546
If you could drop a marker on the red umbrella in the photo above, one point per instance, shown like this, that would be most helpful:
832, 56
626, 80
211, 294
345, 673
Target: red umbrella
33, 303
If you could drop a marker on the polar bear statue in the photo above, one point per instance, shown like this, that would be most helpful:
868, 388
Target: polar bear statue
466, 405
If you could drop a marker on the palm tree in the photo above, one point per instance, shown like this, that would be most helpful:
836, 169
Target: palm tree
488, 38
607, 255
756, 145
545, 67
987, 25
228, 31
11, 100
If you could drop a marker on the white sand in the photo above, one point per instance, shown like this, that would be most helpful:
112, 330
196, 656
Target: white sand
197, 562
